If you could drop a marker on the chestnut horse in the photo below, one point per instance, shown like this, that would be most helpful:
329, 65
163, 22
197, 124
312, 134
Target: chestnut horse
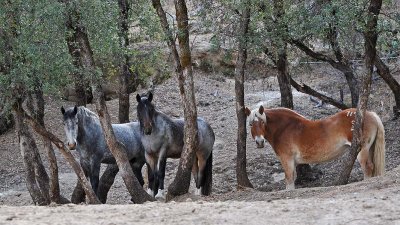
297, 140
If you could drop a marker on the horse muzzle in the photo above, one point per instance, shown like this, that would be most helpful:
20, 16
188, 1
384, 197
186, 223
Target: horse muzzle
260, 143
71, 146
147, 130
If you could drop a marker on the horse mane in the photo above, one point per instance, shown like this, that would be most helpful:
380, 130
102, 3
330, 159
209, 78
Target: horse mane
282, 111
83, 111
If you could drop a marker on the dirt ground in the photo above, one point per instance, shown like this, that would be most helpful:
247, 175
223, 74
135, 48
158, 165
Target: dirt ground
374, 201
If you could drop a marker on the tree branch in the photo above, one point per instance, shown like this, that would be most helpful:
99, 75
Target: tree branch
308, 90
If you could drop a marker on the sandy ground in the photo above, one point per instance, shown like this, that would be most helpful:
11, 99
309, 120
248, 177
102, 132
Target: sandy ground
374, 201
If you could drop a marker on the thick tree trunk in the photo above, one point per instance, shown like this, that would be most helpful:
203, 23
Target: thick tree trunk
37, 180
370, 37
124, 73
384, 72
241, 172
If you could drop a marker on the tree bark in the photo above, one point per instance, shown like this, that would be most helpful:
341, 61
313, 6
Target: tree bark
281, 62
241, 172
81, 85
370, 37
117, 149
124, 73
36, 180
384, 72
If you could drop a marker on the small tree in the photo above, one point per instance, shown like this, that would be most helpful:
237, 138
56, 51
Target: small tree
370, 37
243, 30
184, 75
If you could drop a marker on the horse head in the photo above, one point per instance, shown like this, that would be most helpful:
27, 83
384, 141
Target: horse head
145, 113
70, 120
257, 121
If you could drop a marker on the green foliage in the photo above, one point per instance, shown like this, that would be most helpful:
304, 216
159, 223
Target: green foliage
32, 47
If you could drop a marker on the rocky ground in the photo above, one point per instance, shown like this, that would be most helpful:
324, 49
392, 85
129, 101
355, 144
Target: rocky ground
373, 201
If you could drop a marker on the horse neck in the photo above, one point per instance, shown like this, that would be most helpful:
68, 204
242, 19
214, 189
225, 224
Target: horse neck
278, 120
86, 122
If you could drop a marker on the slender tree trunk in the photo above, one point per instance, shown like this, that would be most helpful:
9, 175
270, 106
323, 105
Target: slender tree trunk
184, 74
124, 74
384, 72
241, 172
281, 62
370, 37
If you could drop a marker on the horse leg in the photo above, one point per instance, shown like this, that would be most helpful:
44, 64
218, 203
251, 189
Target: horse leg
289, 166
150, 179
150, 162
196, 175
365, 161
137, 170
94, 176
162, 163
106, 181
78, 195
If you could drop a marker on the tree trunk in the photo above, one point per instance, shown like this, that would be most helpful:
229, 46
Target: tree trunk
67, 155
37, 110
81, 85
241, 172
184, 74
370, 37
384, 72
117, 149
37, 180
281, 62
124, 73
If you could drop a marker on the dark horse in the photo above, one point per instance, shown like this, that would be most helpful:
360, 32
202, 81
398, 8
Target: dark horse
84, 133
162, 138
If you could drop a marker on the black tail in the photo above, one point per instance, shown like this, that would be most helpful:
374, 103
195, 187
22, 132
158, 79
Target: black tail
206, 183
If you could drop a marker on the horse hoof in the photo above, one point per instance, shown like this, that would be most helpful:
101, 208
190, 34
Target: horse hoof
197, 192
150, 192
160, 195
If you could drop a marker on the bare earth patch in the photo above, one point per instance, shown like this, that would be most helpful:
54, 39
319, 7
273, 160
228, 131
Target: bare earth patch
374, 201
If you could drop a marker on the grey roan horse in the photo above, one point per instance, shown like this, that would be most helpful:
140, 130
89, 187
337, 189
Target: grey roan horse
162, 138
83, 130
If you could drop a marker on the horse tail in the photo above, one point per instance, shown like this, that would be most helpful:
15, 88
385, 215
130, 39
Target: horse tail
206, 183
379, 149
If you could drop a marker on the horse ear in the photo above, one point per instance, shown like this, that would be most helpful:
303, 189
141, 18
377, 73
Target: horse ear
75, 110
261, 110
62, 110
150, 97
247, 111
138, 98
